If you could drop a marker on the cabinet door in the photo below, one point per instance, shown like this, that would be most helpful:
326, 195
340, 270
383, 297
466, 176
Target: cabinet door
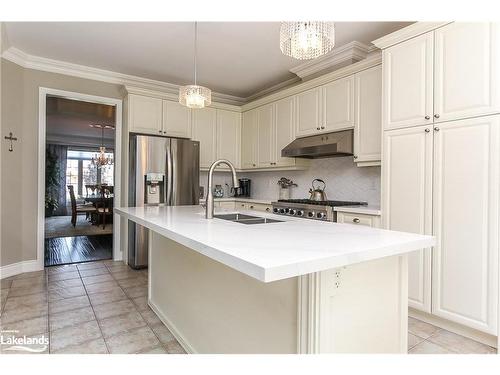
145, 114
407, 201
249, 136
284, 129
308, 112
466, 222
228, 136
176, 119
466, 70
368, 116
265, 144
407, 83
204, 131
338, 105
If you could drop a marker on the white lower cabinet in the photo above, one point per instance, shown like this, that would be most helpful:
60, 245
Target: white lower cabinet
466, 222
407, 201
358, 219
445, 181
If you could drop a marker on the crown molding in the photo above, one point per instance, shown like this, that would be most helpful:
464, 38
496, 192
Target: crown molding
339, 57
370, 61
407, 32
28, 61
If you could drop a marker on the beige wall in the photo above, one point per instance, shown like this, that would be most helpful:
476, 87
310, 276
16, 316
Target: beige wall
19, 168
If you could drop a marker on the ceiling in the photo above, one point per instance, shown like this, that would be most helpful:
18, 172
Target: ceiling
234, 58
69, 121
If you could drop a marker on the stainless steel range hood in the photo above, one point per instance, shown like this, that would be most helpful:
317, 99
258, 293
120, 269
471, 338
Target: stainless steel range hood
321, 146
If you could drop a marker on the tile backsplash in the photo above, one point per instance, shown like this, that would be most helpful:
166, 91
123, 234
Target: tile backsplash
344, 181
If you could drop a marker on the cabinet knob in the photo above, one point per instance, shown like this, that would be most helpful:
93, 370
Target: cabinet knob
355, 156
427, 117
436, 115
322, 127
268, 209
159, 131
427, 130
251, 206
164, 132
355, 220
436, 129
318, 128
254, 165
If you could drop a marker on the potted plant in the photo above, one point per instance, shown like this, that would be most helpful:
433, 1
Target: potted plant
51, 183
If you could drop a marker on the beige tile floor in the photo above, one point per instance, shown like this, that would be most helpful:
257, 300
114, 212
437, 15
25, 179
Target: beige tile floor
101, 307
97, 307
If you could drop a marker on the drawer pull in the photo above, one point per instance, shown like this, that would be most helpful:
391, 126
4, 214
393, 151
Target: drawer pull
251, 206
355, 220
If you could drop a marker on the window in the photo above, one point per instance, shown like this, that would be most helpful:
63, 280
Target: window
81, 172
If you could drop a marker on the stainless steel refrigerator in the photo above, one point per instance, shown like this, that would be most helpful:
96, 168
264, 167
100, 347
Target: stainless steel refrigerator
163, 171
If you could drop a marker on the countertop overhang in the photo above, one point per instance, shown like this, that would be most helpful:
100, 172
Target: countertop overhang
274, 251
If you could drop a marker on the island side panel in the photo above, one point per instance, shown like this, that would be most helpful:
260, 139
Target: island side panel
212, 308
360, 308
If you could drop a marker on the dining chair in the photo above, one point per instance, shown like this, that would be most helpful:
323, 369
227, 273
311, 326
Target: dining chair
104, 206
78, 208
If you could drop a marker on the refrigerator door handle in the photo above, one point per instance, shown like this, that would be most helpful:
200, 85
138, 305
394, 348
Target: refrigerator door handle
169, 174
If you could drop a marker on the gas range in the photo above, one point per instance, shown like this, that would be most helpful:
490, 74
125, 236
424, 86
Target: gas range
309, 209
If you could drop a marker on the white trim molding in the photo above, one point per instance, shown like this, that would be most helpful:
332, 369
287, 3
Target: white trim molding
407, 32
42, 95
28, 61
20, 267
339, 57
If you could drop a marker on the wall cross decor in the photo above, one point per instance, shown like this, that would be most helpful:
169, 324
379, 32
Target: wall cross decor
11, 139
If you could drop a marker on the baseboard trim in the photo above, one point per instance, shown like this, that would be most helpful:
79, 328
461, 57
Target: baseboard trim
172, 328
482, 337
20, 267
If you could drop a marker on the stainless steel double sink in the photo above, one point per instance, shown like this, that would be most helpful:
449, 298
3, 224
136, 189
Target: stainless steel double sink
246, 219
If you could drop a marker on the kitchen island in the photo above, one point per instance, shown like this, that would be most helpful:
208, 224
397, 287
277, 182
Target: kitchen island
293, 286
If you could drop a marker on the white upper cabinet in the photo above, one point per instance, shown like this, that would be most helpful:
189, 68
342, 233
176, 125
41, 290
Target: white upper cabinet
338, 105
308, 112
408, 83
176, 119
249, 137
368, 117
228, 136
466, 221
205, 131
265, 144
407, 201
284, 131
466, 71
145, 114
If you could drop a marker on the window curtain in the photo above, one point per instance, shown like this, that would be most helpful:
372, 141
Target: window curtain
55, 176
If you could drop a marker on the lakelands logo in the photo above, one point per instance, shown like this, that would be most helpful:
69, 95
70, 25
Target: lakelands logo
11, 342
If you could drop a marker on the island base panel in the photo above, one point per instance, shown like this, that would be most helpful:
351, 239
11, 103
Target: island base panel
212, 308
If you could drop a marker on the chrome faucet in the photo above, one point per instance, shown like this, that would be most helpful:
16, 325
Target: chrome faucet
210, 196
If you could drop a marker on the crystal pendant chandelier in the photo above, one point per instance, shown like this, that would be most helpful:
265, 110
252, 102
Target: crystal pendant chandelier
306, 40
195, 96
100, 159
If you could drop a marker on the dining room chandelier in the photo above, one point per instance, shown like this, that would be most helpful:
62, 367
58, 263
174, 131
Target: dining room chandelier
195, 96
307, 39
100, 159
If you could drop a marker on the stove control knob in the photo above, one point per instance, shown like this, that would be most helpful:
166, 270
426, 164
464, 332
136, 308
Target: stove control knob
282, 211
292, 212
275, 210
310, 214
320, 215
300, 212
287, 210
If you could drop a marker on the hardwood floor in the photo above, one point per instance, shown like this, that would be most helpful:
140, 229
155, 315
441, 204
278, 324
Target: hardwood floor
65, 250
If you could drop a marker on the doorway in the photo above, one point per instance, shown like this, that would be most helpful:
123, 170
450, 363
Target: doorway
80, 150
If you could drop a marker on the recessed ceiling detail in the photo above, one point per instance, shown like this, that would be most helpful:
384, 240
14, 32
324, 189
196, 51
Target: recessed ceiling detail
234, 58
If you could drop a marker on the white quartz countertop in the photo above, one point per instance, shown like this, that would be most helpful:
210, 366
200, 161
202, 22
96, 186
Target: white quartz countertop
274, 251
239, 199
367, 210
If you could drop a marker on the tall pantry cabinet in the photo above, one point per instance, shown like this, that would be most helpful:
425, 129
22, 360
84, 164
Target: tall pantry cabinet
441, 166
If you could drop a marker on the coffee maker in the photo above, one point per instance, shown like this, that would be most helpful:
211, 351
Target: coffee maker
244, 190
